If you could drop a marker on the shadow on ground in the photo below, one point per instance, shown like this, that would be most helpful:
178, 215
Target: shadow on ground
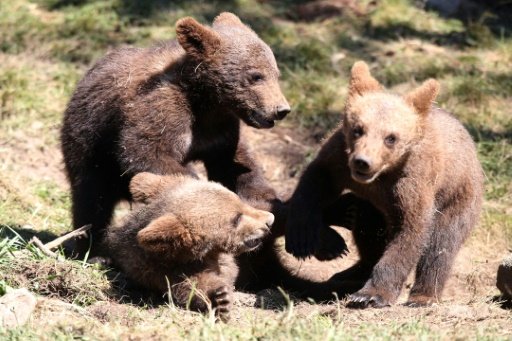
13, 230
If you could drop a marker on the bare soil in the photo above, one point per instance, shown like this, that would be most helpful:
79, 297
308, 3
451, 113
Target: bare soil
283, 152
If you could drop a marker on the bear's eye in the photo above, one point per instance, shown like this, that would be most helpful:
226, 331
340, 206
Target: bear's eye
390, 140
255, 77
357, 132
236, 220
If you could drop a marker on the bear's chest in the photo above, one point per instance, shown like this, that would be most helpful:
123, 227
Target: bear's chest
212, 139
380, 194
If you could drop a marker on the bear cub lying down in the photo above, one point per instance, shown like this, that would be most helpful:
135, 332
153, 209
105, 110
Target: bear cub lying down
185, 238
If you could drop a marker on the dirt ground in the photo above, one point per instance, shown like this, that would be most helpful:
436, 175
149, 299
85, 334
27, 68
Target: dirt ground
283, 152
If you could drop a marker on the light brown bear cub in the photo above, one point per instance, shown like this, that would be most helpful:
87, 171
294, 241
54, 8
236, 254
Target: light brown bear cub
186, 237
418, 166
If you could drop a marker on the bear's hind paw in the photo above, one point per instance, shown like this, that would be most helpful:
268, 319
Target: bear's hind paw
221, 302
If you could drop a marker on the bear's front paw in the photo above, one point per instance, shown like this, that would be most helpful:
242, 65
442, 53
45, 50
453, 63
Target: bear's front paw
361, 300
332, 245
302, 237
221, 302
301, 244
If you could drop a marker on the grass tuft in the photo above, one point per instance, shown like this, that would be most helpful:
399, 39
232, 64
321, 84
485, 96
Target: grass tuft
24, 266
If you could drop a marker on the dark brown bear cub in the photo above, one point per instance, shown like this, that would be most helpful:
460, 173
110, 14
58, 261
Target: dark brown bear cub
418, 166
185, 238
157, 109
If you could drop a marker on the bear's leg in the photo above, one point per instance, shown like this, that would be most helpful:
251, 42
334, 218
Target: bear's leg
434, 266
203, 291
369, 231
354, 214
209, 287
93, 201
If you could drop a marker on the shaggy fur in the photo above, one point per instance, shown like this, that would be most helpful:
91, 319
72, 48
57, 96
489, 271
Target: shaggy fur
186, 237
158, 109
418, 166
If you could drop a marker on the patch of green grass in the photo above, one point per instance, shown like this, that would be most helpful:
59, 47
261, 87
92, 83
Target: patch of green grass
476, 88
20, 29
33, 93
496, 159
496, 221
399, 69
41, 205
24, 265
19, 334
318, 100
15, 99
396, 13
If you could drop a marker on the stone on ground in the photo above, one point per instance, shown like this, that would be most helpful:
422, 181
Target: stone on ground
16, 307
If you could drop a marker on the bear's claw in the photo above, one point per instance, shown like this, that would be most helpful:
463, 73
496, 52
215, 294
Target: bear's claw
221, 302
361, 301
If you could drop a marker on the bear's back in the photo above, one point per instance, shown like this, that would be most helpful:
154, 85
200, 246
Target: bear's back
121, 73
459, 168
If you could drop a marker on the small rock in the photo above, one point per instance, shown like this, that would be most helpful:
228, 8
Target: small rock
16, 307
504, 281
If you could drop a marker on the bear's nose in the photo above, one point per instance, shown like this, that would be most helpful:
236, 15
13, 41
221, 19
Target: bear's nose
282, 111
362, 163
270, 219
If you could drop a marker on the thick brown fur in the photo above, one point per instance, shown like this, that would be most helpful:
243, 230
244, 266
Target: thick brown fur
185, 238
157, 109
413, 162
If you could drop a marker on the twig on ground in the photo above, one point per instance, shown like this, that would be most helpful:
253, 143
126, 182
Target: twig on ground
47, 248
36, 242
80, 232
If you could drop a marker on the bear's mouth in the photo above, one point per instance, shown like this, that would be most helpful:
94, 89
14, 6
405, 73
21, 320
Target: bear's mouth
253, 243
364, 178
257, 119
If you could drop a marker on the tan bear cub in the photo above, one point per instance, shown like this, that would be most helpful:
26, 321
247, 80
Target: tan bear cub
186, 237
417, 165
158, 109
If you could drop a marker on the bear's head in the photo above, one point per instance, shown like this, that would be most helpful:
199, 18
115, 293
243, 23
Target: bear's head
231, 61
195, 217
381, 128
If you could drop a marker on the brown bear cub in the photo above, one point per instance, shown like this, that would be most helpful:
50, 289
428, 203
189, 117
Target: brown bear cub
158, 109
185, 239
418, 166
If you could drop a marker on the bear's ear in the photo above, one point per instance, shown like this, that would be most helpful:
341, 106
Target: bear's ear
422, 97
226, 18
146, 186
165, 234
361, 81
198, 40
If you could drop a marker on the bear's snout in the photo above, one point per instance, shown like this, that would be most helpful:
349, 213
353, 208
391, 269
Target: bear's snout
364, 169
362, 163
282, 111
